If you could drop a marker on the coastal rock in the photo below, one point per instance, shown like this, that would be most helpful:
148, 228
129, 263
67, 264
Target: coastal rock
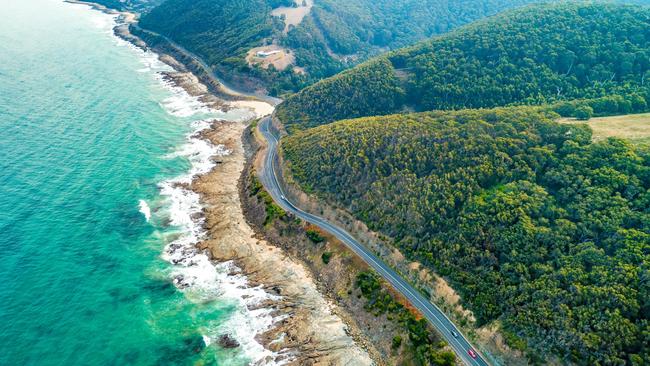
180, 282
306, 329
226, 341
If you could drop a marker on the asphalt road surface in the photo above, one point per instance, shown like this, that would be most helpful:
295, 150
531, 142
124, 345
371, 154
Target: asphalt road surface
431, 312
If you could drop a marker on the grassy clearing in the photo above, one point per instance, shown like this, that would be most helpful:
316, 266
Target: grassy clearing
633, 127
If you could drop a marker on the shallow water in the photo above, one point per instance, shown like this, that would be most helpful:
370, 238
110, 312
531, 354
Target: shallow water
91, 142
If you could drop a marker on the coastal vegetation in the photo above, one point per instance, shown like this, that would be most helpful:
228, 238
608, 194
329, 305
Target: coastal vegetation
220, 32
272, 210
535, 225
370, 89
315, 235
540, 54
404, 337
327, 257
427, 346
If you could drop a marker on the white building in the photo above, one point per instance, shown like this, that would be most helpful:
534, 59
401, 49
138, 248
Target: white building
264, 54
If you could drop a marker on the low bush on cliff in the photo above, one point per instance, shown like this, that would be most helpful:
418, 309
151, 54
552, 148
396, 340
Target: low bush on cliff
273, 211
315, 236
428, 346
327, 257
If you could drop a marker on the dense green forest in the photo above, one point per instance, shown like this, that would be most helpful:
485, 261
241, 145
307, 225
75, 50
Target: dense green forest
218, 31
532, 223
133, 5
535, 55
381, 94
335, 35
338, 33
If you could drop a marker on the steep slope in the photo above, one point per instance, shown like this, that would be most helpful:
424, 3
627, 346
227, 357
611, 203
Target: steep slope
333, 35
133, 5
219, 31
534, 225
350, 31
534, 55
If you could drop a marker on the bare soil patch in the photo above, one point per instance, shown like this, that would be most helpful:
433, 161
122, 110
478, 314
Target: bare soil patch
279, 57
293, 16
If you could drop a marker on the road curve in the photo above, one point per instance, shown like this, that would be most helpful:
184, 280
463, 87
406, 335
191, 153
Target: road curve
269, 178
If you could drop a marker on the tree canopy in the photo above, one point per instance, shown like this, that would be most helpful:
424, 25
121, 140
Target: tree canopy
535, 55
335, 35
531, 222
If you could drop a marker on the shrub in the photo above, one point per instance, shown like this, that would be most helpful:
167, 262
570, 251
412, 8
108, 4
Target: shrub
584, 112
315, 236
397, 341
326, 257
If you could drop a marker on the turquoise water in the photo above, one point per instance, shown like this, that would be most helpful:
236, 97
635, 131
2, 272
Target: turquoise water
88, 136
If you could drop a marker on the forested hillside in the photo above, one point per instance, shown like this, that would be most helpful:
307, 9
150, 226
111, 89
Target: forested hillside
134, 5
532, 223
334, 35
218, 31
339, 33
535, 55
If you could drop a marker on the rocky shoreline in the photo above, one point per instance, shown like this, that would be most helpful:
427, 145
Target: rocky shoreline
307, 331
309, 328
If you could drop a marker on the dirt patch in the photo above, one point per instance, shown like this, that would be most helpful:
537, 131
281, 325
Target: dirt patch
491, 336
633, 127
299, 70
266, 56
293, 16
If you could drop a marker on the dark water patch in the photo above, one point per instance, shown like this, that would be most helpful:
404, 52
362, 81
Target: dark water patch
159, 288
131, 357
120, 296
185, 352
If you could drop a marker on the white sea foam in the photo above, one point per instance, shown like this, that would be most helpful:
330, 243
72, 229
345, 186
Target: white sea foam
106, 21
202, 280
206, 340
182, 104
99, 19
195, 274
145, 210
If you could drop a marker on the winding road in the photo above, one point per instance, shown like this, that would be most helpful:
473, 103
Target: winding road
453, 336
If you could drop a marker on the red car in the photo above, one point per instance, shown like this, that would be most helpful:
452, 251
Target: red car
471, 353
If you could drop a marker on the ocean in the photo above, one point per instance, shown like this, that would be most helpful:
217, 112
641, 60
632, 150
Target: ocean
98, 265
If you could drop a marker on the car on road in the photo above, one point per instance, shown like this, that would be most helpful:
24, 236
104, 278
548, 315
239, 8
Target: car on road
282, 197
454, 334
471, 353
